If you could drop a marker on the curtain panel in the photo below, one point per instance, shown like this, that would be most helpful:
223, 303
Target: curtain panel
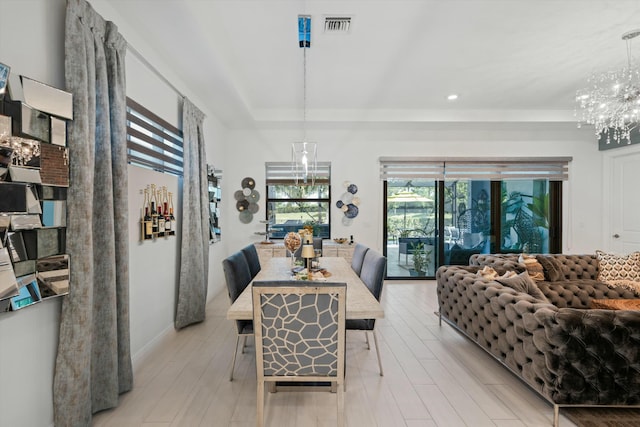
93, 363
194, 253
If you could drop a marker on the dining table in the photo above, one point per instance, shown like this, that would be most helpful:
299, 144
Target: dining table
361, 303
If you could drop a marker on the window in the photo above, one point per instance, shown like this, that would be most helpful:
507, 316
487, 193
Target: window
152, 142
442, 211
292, 205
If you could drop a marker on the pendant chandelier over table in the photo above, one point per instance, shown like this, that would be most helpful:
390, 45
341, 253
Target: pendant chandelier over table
304, 155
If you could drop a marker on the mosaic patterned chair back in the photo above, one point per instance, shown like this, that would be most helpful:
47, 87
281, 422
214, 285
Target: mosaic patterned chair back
299, 328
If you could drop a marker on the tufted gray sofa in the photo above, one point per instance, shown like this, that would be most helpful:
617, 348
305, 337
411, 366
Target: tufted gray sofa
568, 353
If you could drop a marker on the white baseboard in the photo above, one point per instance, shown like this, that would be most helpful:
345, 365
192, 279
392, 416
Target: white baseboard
138, 359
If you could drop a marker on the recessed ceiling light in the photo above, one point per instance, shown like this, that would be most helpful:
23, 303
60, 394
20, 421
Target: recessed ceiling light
452, 97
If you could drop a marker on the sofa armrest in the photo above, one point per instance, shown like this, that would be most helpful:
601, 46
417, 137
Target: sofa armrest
592, 355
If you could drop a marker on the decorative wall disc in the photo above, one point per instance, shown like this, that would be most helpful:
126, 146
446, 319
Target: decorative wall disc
352, 211
248, 183
349, 203
254, 196
346, 198
242, 205
246, 217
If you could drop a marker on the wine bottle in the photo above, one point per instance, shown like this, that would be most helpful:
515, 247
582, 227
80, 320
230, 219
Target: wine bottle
148, 225
171, 217
167, 220
160, 220
146, 219
165, 201
154, 213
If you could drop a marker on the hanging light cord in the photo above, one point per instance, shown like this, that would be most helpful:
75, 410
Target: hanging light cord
304, 84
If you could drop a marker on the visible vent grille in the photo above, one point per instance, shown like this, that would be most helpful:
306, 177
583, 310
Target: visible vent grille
337, 24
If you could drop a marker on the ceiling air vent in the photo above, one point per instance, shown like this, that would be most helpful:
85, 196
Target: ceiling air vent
337, 24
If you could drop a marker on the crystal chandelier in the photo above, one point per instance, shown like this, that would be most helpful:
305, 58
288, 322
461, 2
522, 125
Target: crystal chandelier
612, 101
304, 155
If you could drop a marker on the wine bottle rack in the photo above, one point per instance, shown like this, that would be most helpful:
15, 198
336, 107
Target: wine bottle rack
157, 218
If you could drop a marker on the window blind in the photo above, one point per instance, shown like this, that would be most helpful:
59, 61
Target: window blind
283, 173
152, 142
489, 169
411, 168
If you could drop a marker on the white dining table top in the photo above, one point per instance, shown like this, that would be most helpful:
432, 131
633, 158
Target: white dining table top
360, 301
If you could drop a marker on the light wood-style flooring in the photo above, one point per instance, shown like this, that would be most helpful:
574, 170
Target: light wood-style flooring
433, 377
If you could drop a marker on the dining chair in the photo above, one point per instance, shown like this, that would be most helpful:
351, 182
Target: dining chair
251, 254
238, 275
317, 244
300, 336
358, 257
372, 275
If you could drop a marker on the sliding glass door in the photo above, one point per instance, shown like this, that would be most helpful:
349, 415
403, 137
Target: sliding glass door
429, 223
467, 220
411, 225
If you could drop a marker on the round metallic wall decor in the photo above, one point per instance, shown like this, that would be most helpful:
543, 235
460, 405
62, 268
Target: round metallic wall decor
348, 203
247, 200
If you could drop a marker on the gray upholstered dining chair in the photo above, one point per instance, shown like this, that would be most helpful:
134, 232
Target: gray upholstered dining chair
300, 335
358, 257
251, 254
372, 275
237, 275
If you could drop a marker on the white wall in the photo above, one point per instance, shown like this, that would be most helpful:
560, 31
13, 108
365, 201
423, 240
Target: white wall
354, 157
32, 44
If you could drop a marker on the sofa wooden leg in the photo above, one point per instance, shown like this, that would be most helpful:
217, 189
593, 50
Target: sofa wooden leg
556, 415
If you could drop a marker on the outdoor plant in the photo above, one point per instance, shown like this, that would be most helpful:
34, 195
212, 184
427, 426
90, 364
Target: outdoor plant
421, 258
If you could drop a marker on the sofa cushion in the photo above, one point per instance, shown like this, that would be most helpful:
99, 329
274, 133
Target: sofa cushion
618, 267
620, 270
523, 283
534, 268
552, 268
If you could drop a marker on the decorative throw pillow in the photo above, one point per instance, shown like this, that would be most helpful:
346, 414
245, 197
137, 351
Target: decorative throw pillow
523, 283
552, 268
489, 273
618, 267
534, 268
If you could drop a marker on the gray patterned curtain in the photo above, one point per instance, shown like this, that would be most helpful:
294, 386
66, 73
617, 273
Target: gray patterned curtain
93, 364
194, 254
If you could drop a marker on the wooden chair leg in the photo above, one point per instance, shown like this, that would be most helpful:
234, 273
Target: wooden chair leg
366, 335
260, 408
340, 398
375, 339
244, 343
233, 361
